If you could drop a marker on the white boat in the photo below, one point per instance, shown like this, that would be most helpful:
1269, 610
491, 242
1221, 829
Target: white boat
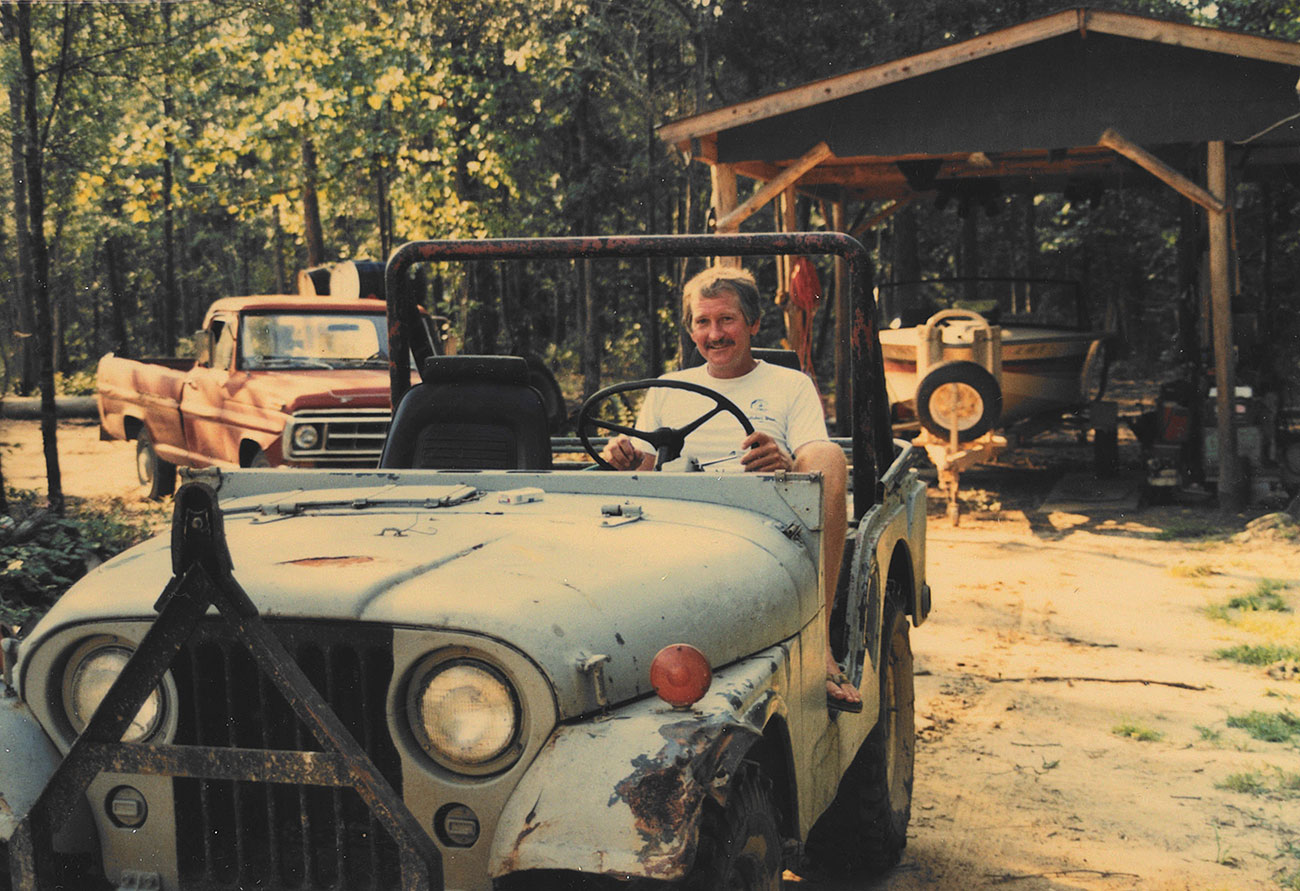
984, 354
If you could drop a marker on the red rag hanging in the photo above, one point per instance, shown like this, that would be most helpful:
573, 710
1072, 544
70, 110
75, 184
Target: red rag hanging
805, 293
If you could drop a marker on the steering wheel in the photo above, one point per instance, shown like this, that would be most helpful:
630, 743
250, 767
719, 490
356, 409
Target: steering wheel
667, 441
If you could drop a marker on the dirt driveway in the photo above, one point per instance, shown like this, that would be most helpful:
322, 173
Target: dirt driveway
1075, 728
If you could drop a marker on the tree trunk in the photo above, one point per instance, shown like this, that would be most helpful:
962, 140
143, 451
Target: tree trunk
117, 336
28, 366
40, 259
313, 234
171, 301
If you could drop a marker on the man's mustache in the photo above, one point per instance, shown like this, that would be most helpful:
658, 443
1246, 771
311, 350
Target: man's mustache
715, 344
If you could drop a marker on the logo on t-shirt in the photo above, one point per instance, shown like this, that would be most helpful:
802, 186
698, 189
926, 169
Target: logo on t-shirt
759, 406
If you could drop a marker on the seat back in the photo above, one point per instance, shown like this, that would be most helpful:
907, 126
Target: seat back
470, 413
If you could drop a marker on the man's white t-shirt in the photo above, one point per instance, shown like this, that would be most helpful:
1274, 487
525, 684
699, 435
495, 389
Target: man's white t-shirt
778, 401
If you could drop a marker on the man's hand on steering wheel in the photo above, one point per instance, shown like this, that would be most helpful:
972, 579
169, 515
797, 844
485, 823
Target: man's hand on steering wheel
762, 454
622, 455
667, 441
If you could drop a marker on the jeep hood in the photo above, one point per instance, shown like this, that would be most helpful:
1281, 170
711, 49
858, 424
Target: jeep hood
558, 580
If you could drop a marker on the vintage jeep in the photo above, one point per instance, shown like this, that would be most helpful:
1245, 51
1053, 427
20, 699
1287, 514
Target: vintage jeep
480, 678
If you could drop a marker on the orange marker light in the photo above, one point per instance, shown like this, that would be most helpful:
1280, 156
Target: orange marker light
680, 675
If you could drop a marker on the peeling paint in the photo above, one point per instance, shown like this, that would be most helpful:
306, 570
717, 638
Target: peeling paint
328, 562
666, 791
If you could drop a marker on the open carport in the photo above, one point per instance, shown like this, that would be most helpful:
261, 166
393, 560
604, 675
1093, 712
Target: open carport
1079, 100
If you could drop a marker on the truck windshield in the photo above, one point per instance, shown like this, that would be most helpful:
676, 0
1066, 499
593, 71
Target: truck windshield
313, 340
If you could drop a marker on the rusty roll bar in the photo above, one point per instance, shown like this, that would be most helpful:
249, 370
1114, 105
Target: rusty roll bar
872, 435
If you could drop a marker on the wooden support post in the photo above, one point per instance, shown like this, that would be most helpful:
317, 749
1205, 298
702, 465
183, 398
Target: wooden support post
785, 179
725, 197
843, 371
1225, 378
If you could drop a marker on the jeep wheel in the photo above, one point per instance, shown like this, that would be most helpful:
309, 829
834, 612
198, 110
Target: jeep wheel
740, 845
155, 474
865, 828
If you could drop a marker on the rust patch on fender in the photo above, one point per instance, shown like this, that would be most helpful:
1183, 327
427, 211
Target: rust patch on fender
666, 791
328, 562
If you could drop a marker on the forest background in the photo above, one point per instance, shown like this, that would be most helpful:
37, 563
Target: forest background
165, 154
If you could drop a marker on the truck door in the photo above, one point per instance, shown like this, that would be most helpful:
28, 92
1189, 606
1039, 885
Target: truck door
208, 432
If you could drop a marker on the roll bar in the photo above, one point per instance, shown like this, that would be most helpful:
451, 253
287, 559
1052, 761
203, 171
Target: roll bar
872, 437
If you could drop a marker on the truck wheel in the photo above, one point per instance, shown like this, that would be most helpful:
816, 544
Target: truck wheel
975, 392
740, 845
155, 474
865, 828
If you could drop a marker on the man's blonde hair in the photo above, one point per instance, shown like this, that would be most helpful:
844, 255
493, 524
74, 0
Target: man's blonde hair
715, 280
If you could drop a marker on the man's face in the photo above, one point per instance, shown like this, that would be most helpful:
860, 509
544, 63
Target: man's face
721, 334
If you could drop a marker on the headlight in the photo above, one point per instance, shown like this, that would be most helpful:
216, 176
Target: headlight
306, 437
465, 714
91, 671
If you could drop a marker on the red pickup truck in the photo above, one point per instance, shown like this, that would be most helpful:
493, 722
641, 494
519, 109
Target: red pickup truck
293, 380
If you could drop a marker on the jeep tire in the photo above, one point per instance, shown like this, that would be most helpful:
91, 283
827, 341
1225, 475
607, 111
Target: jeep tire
740, 845
865, 828
155, 474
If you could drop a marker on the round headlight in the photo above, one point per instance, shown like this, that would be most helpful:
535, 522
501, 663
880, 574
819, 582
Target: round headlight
90, 674
306, 437
465, 715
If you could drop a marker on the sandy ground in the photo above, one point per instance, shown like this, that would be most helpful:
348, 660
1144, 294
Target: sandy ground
1057, 637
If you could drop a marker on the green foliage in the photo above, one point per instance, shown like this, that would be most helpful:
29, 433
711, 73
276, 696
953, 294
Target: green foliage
1266, 597
41, 554
1267, 726
1258, 654
1137, 731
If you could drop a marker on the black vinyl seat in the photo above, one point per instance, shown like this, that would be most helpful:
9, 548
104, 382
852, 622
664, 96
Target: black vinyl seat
470, 413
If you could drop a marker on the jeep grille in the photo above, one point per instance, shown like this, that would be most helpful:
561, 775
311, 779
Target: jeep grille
250, 835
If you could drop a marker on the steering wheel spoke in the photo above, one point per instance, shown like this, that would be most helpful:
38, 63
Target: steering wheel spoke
666, 440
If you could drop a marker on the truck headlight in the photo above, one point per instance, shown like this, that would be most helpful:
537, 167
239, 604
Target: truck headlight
306, 437
91, 671
465, 714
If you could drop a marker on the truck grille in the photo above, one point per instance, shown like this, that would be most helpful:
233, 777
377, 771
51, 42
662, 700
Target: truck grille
348, 437
252, 835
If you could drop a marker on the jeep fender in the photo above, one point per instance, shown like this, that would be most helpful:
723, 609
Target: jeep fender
622, 794
28, 758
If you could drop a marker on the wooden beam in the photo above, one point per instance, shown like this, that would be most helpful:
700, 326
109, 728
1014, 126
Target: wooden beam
725, 196
1225, 378
867, 225
1111, 139
784, 180
1211, 40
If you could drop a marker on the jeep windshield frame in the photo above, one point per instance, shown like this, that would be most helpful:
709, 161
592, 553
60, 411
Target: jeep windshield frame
872, 434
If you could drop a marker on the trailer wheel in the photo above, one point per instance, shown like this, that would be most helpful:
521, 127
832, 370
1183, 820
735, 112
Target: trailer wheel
155, 474
961, 394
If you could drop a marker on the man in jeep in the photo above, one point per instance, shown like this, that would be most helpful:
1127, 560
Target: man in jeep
721, 311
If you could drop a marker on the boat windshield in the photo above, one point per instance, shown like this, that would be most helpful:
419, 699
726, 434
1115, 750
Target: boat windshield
1035, 303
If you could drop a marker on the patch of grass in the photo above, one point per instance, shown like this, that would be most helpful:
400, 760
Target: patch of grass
1258, 654
1267, 596
1180, 530
1251, 783
1209, 734
1192, 570
1267, 726
1139, 732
